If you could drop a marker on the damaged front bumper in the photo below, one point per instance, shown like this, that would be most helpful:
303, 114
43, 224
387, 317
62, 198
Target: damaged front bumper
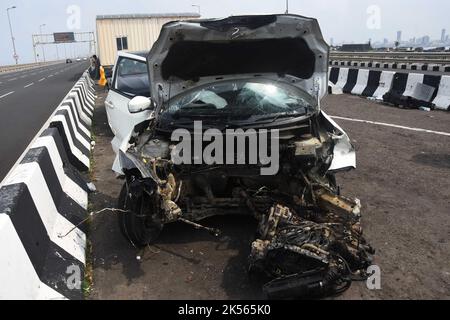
309, 239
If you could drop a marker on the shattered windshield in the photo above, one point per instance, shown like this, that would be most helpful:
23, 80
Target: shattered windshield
242, 99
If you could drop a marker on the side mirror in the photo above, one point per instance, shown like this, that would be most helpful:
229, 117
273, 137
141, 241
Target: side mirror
139, 104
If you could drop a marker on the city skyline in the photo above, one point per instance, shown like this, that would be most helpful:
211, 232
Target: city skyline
443, 40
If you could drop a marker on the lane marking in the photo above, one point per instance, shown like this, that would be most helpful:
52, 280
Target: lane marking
50, 76
12, 79
41, 80
5, 95
22, 156
28, 85
393, 126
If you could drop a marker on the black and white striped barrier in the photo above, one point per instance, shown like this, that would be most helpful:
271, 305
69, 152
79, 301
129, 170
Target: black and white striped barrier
72, 119
390, 66
43, 201
374, 83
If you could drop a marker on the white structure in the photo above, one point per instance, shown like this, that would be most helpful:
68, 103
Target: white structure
133, 33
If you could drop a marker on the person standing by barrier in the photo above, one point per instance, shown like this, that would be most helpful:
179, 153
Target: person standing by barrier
95, 68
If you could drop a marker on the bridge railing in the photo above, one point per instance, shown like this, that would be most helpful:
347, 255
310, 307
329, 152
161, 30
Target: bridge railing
26, 66
442, 58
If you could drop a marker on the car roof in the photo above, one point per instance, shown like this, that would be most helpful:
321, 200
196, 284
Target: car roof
137, 55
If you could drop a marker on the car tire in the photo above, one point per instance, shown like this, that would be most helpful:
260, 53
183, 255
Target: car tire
136, 225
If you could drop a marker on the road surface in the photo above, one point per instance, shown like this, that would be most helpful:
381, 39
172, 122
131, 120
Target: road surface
401, 179
27, 99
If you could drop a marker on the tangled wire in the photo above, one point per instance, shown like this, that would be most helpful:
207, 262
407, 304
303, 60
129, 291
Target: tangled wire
309, 259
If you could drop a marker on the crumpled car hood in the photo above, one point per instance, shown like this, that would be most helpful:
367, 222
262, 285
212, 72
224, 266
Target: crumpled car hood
284, 48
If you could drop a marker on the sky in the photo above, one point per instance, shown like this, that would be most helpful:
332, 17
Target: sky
343, 20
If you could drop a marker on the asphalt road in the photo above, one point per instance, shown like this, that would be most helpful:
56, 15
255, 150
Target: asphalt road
402, 180
27, 99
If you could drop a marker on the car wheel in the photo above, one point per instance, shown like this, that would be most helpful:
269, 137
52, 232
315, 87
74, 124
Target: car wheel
138, 225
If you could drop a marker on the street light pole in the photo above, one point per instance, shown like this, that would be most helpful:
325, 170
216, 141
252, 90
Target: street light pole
16, 57
43, 48
287, 6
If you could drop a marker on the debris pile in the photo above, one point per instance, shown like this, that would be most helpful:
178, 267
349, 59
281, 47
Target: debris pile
315, 257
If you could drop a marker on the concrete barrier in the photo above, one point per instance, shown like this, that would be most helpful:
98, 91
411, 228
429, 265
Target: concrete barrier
342, 79
43, 202
392, 65
412, 80
84, 112
77, 148
351, 80
433, 81
334, 75
361, 82
374, 83
384, 85
442, 100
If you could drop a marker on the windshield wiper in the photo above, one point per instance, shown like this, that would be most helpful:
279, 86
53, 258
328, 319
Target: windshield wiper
274, 117
198, 106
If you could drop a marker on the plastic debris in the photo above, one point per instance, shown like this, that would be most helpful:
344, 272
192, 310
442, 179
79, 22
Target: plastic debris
91, 187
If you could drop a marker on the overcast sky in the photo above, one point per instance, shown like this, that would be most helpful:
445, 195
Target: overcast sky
342, 20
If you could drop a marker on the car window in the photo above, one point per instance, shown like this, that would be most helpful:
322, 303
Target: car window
132, 78
243, 98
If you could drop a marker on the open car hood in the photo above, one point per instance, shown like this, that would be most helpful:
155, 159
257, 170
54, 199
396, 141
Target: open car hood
286, 48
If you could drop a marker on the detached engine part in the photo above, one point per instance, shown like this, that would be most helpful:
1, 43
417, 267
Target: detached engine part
303, 258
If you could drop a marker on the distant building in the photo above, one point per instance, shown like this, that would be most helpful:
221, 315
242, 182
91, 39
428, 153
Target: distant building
131, 32
443, 35
399, 36
356, 47
331, 42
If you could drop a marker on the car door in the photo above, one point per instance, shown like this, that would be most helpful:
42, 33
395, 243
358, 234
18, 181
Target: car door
130, 80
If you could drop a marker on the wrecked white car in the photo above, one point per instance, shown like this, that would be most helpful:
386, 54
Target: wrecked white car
129, 85
238, 130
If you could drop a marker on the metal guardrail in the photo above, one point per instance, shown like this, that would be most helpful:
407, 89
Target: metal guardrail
20, 67
442, 58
